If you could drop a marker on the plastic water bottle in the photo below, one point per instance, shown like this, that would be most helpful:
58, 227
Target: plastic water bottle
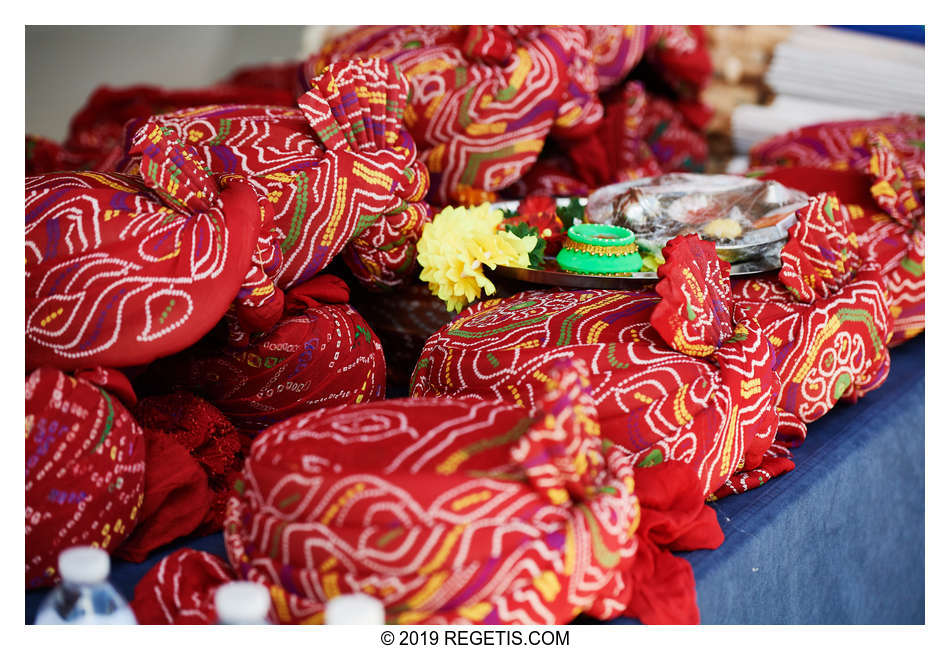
355, 609
242, 603
84, 597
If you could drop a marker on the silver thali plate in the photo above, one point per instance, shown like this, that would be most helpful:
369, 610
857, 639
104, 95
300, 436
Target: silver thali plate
764, 258
553, 276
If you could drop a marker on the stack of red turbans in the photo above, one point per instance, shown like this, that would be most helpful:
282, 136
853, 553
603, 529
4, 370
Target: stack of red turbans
676, 374
219, 212
85, 464
485, 98
450, 511
877, 169
221, 206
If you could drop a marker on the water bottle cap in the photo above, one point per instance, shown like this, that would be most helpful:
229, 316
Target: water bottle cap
355, 609
242, 603
84, 565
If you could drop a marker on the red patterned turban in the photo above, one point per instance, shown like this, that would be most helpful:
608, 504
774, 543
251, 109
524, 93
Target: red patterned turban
485, 97
451, 511
85, 462
337, 174
676, 374
321, 353
877, 169
122, 270
826, 313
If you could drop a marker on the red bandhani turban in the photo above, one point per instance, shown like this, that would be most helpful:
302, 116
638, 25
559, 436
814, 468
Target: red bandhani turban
193, 457
122, 270
179, 590
96, 133
338, 174
449, 511
676, 375
877, 169
826, 313
317, 355
85, 462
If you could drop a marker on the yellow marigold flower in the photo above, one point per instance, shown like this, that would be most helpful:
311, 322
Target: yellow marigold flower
456, 243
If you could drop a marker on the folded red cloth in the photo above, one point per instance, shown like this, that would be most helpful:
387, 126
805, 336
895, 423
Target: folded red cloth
177, 497
85, 463
318, 354
672, 517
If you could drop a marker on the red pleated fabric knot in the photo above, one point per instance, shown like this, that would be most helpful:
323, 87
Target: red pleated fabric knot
694, 315
821, 254
826, 313
336, 174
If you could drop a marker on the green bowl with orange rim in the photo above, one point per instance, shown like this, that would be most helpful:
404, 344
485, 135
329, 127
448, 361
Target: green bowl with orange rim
600, 249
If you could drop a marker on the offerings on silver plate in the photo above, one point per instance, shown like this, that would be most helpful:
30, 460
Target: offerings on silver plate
746, 218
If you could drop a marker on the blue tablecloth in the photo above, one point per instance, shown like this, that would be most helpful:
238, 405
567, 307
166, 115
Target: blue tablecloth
840, 539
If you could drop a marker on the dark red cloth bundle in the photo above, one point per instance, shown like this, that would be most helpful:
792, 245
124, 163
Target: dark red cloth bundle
452, 511
826, 313
177, 497
336, 174
194, 455
641, 135
317, 355
121, 270
676, 374
96, 133
877, 169
85, 463
44, 156
486, 97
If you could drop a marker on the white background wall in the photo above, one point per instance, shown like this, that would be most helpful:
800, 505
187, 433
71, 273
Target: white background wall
64, 64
